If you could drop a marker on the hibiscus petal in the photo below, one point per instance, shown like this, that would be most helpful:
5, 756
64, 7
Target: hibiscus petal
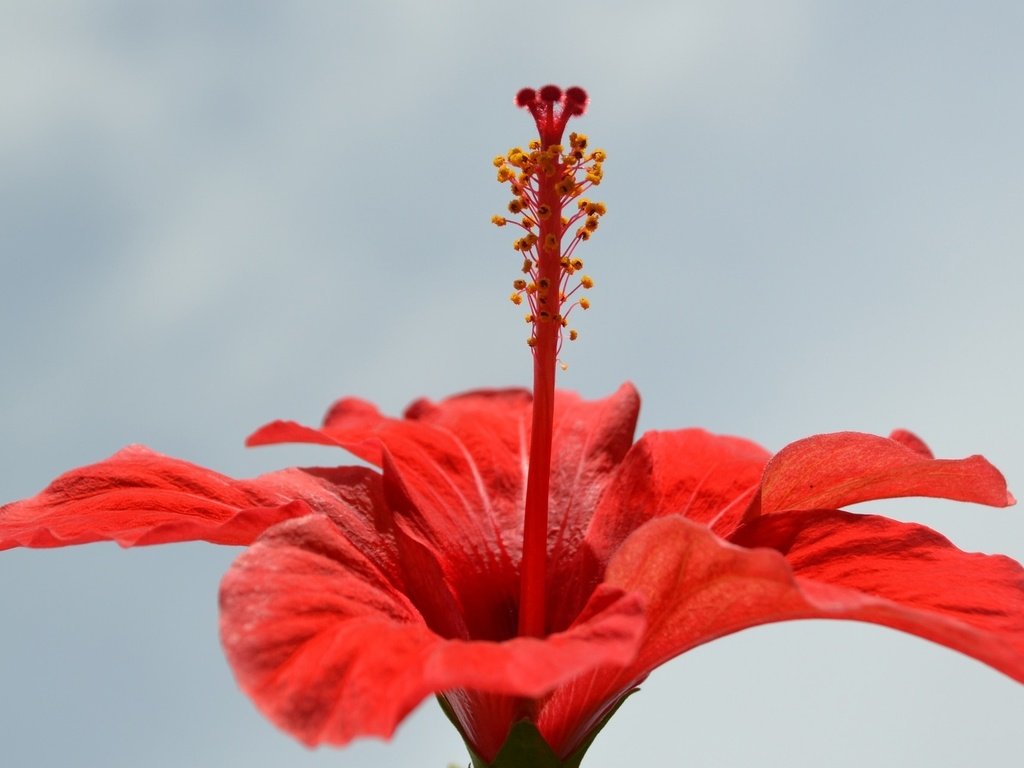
357, 425
697, 587
457, 471
140, 497
704, 477
329, 647
460, 488
835, 470
590, 439
351, 423
832, 565
492, 428
912, 441
904, 576
690, 472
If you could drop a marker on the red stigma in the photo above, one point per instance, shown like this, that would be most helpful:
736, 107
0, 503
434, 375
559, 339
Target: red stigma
551, 93
551, 108
525, 97
576, 100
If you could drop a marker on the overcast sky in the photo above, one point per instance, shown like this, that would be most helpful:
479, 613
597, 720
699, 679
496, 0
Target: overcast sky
214, 214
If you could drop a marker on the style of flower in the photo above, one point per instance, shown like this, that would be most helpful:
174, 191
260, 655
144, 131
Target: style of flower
518, 555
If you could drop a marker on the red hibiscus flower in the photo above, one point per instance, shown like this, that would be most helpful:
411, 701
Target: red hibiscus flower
517, 554
361, 592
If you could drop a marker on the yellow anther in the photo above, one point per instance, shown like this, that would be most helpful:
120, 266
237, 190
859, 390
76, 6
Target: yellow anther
557, 174
566, 185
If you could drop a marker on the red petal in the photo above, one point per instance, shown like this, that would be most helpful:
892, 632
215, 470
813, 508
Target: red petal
351, 423
460, 472
835, 470
695, 587
323, 638
706, 478
904, 576
457, 478
141, 497
457, 473
591, 439
698, 587
912, 441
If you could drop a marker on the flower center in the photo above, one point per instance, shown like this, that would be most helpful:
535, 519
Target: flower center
545, 180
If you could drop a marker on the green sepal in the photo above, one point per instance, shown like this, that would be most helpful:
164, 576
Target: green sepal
526, 748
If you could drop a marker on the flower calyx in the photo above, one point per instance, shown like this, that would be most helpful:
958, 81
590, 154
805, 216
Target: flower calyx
525, 746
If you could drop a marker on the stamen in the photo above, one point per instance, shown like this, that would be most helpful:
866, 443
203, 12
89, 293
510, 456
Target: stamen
549, 176
544, 179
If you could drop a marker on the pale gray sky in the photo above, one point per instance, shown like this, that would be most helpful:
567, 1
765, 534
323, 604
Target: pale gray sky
213, 214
